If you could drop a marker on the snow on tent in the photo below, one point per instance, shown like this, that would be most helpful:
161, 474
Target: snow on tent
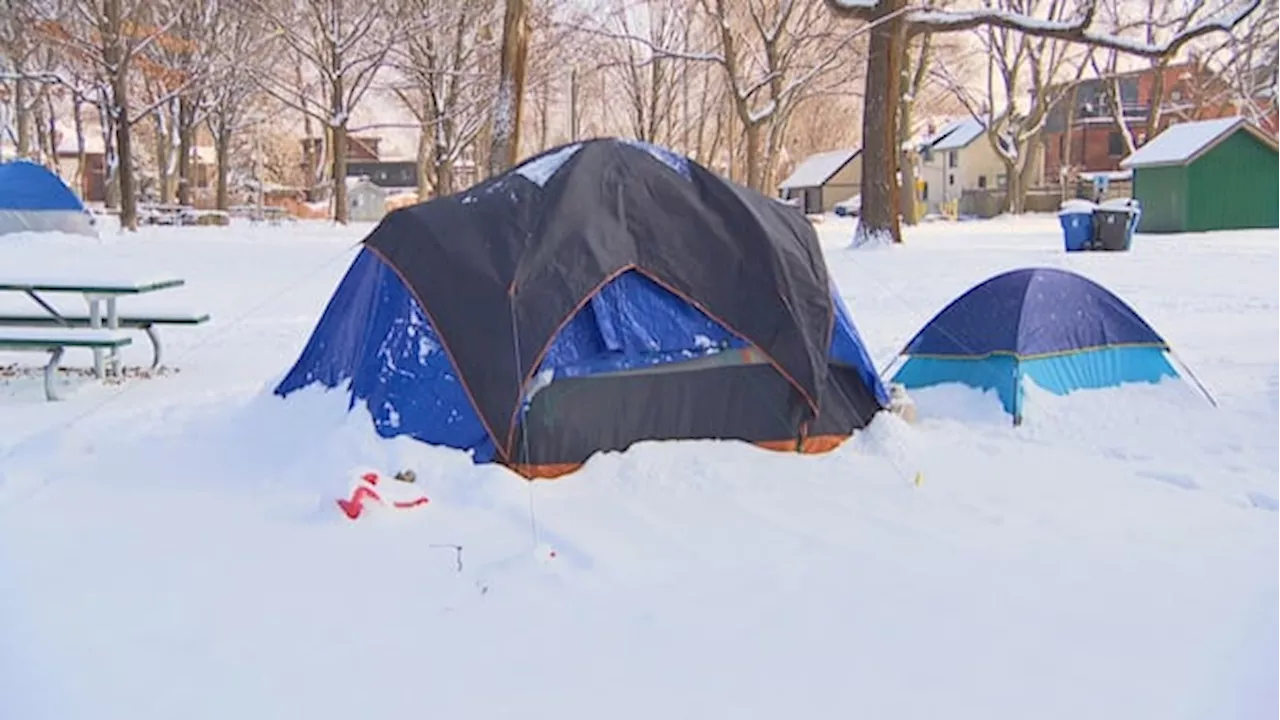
600, 294
1061, 329
33, 198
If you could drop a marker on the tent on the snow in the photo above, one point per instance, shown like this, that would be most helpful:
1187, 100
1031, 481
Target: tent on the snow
33, 198
600, 294
1061, 329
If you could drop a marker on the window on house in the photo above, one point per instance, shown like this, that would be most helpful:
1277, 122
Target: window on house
1002, 180
924, 190
982, 181
1062, 148
951, 179
953, 158
1115, 144
1176, 95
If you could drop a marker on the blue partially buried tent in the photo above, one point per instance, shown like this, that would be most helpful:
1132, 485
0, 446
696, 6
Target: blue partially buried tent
34, 199
1060, 329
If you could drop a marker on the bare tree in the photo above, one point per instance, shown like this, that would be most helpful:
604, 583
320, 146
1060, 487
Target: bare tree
1229, 74
181, 58
343, 44
894, 21
449, 85
646, 79
772, 54
113, 35
23, 59
1020, 65
508, 112
232, 99
773, 58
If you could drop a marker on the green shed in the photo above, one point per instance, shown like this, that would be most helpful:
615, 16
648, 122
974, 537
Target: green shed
1209, 175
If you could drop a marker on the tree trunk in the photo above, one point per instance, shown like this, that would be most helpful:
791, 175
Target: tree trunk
82, 156
1066, 160
23, 109
912, 81
223, 149
51, 131
544, 116
43, 134
880, 201
910, 198
186, 139
1154, 117
124, 154
1027, 174
116, 59
574, 129
164, 151
339, 134
425, 162
508, 112
444, 170
752, 149
1014, 197
110, 154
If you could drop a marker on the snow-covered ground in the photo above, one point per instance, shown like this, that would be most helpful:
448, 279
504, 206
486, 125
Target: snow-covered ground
169, 547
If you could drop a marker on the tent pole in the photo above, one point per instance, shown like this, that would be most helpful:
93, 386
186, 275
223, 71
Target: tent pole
523, 429
1191, 373
893, 361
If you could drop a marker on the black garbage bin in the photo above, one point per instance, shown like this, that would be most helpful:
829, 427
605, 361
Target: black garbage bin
1112, 228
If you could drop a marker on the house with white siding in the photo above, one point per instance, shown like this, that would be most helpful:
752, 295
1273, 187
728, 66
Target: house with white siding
955, 158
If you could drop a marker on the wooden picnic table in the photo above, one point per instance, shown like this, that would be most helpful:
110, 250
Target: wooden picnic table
97, 292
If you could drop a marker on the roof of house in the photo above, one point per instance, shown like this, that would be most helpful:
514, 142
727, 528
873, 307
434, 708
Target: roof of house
957, 135
816, 170
1185, 142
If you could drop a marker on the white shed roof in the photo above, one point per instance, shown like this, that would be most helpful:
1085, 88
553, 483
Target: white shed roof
816, 170
1180, 144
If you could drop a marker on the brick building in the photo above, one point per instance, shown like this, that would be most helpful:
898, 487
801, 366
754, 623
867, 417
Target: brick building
1095, 143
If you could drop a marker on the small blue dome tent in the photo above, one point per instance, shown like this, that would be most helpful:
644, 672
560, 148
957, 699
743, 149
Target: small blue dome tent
34, 199
1061, 329
600, 294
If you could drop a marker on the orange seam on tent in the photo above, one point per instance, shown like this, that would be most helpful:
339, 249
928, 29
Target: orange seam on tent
533, 367
444, 344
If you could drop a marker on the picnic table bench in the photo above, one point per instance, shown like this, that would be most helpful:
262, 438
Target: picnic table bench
54, 331
55, 341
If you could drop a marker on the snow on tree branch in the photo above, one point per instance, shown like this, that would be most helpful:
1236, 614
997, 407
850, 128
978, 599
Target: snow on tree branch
1077, 30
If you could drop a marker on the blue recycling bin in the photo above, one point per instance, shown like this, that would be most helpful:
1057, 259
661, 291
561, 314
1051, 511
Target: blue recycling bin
1076, 218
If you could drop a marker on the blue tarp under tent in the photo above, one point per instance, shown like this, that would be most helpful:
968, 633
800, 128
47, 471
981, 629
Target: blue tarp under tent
600, 294
32, 198
1058, 328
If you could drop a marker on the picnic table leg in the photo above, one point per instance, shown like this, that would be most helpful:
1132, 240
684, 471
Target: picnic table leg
154, 336
113, 322
95, 321
50, 372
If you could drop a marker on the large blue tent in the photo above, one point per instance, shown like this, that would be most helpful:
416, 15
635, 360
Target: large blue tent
659, 303
1061, 329
34, 199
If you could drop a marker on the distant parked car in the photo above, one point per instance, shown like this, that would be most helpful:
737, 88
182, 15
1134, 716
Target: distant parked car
849, 208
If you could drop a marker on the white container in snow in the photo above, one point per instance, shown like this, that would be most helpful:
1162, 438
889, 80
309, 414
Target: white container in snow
900, 403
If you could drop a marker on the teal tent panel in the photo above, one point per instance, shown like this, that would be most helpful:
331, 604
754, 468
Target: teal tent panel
994, 372
1107, 367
